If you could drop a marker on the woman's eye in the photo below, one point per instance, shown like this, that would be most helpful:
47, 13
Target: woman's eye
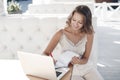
74, 20
80, 23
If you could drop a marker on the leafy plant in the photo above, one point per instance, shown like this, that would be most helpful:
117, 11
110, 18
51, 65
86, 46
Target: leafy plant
13, 7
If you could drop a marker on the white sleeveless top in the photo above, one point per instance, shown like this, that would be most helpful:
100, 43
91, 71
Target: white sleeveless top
68, 45
79, 48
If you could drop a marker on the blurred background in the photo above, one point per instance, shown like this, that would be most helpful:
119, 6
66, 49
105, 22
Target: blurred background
24, 23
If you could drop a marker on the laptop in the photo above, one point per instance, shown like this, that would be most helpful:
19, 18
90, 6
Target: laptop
40, 66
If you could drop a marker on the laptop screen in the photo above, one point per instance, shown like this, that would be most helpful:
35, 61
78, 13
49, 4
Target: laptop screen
58, 73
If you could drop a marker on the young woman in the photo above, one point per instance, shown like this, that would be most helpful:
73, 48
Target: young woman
77, 36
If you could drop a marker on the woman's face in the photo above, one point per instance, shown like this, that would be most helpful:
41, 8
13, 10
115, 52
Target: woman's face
77, 21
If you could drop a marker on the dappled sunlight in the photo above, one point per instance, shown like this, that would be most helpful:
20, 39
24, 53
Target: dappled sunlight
116, 42
100, 65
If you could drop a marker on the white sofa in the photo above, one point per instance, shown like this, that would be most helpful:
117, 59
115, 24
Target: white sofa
30, 34
57, 7
26, 34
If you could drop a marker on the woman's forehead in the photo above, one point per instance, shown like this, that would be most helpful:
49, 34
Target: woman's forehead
78, 16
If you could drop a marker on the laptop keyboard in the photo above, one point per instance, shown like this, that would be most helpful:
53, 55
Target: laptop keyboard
58, 73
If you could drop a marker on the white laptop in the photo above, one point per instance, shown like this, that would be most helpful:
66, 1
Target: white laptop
40, 66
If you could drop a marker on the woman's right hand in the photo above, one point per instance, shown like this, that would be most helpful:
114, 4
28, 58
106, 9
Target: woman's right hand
75, 60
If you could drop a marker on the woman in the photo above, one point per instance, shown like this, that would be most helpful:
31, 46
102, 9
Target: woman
77, 36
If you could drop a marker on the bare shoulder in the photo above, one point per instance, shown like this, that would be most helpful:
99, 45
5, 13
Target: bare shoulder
59, 33
90, 36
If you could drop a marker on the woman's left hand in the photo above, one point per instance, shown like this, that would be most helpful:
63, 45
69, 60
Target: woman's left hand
75, 60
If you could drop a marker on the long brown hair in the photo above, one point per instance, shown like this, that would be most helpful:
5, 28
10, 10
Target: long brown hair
85, 11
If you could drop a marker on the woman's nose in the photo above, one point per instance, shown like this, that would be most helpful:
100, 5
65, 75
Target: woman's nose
76, 23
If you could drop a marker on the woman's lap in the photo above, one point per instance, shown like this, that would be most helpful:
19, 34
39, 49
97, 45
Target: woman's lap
93, 75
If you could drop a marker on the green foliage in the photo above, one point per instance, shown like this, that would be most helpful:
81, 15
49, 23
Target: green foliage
13, 7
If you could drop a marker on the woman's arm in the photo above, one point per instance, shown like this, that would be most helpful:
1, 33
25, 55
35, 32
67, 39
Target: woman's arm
85, 57
88, 48
52, 44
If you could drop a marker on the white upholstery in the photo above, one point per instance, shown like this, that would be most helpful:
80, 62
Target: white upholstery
26, 34
56, 8
30, 34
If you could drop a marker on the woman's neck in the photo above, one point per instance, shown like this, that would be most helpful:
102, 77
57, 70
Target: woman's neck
74, 31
